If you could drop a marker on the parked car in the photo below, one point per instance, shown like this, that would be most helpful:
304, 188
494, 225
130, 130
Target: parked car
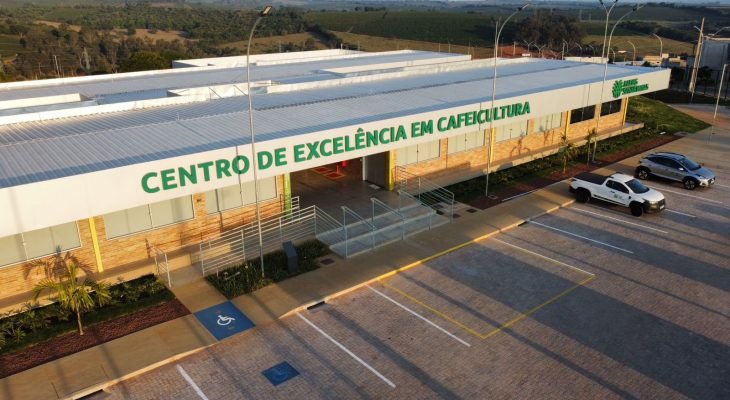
676, 167
619, 189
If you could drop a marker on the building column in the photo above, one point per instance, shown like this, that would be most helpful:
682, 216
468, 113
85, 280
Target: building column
287, 193
95, 242
390, 170
626, 109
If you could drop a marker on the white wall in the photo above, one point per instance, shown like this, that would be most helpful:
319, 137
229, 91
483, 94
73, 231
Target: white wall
52, 202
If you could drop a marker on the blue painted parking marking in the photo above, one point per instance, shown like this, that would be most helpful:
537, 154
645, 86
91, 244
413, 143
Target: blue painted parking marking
280, 373
224, 320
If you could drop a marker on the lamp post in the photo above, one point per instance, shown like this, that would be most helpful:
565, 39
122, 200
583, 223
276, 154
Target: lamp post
605, 29
633, 55
498, 32
661, 50
605, 72
717, 102
264, 13
698, 55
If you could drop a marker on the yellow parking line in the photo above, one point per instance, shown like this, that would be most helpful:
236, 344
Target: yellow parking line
435, 311
537, 308
508, 323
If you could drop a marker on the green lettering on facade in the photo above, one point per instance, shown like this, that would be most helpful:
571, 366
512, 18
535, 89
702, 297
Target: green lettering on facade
146, 182
187, 175
222, 167
168, 179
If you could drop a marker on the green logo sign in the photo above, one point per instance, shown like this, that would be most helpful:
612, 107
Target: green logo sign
363, 138
627, 87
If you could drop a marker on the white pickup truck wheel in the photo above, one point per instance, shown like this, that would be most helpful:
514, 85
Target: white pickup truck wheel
637, 209
582, 196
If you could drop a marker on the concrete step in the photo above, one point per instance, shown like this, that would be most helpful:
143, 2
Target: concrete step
393, 233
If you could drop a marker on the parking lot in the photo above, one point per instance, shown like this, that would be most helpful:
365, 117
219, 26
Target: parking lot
586, 302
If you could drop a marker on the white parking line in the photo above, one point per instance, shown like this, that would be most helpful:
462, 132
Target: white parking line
681, 213
420, 316
723, 186
191, 382
582, 237
343, 348
617, 219
545, 257
688, 195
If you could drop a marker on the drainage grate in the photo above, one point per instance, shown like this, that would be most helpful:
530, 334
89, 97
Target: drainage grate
317, 304
326, 261
471, 211
456, 216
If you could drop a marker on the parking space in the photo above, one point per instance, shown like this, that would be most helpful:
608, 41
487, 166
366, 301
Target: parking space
586, 302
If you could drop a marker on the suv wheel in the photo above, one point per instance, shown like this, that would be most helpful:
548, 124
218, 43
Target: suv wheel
690, 183
642, 173
637, 209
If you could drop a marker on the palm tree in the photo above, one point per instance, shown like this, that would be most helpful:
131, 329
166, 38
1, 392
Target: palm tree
592, 134
566, 150
73, 294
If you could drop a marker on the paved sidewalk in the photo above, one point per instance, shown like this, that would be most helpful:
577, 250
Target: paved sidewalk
95, 368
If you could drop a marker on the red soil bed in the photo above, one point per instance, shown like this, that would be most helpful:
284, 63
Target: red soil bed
540, 182
94, 335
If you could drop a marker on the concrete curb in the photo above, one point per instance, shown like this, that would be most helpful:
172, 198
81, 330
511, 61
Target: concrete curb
426, 259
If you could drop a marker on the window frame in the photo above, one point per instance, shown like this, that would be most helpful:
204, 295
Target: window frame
608, 103
149, 213
218, 202
582, 111
25, 251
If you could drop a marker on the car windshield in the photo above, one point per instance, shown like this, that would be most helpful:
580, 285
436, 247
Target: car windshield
691, 165
636, 186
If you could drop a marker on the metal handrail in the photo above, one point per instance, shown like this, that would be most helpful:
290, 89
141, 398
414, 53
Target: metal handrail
345, 211
389, 210
165, 264
426, 192
403, 193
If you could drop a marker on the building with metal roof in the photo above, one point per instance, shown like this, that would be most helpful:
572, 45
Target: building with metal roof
86, 161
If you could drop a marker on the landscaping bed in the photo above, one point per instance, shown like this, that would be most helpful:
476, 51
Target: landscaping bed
246, 278
42, 334
660, 123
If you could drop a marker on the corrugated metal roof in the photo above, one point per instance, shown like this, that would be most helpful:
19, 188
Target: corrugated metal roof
35, 151
123, 88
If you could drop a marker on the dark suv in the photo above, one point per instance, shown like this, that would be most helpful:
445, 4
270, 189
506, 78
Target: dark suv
676, 167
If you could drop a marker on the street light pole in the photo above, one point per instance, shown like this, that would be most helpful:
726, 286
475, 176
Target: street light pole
717, 102
696, 64
605, 72
633, 55
498, 32
605, 29
264, 13
661, 50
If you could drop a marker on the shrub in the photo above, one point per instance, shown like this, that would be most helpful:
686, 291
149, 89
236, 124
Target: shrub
246, 278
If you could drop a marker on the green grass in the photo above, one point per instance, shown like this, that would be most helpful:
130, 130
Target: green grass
439, 26
659, 116
43, 323
10, 45
247, 278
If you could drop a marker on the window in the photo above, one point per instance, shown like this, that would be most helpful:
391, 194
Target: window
611, 107
548, 122
229, 197
617, 186
466, 141
582, 114
418, 153
38, 243
511, 131
147, 217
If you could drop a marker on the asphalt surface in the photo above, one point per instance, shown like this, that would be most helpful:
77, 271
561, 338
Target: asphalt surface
587, 302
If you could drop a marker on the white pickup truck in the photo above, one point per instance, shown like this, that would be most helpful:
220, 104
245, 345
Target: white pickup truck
619, 189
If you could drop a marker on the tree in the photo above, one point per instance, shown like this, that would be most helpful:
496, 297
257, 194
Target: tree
567, 150
75, 295
145, 61
592, 134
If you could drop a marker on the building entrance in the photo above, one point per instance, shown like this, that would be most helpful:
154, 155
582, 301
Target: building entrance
350, 183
